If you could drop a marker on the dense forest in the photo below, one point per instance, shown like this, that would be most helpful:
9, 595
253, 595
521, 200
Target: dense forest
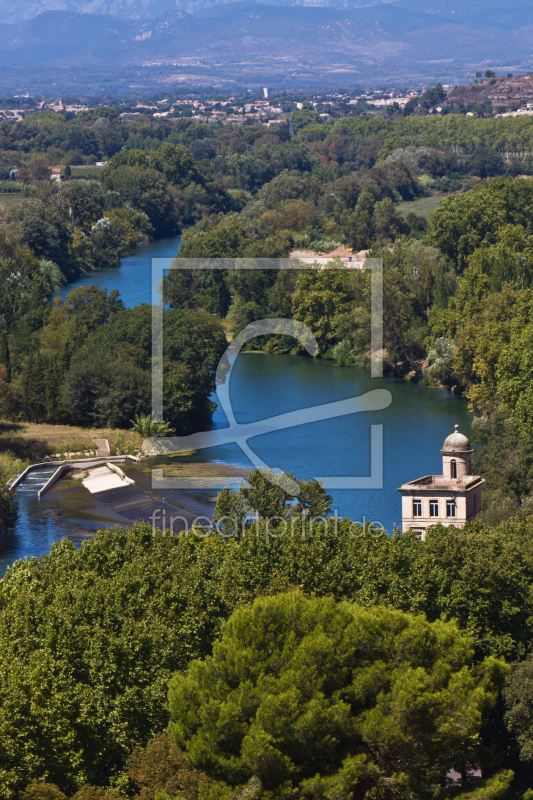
249, 191
92, 637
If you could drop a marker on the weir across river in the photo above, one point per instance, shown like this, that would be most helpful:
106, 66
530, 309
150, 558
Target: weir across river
38, 478
102, 478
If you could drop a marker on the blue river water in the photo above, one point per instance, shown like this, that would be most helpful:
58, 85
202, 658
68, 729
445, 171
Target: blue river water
414, 428
133, 277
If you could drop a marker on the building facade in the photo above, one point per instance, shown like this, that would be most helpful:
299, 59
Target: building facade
452, 498
349, 259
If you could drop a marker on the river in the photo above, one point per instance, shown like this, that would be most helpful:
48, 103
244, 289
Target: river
133, 277
414, 428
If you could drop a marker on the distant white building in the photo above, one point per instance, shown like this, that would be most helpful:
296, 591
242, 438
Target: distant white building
350, 259
452, 498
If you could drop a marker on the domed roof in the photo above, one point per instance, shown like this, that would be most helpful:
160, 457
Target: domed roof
456, 441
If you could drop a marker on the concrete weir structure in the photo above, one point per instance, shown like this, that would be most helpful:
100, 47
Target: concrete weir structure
105, 478
107, 483
32, 473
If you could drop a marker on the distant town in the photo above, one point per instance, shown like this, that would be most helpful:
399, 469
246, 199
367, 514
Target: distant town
487, 95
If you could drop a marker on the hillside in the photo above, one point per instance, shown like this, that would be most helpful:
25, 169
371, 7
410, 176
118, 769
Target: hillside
410, 42
243, 39
405, 15
58, 37
15, 11
506, 93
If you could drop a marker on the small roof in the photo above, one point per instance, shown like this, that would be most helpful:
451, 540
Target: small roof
340, 252
456, 442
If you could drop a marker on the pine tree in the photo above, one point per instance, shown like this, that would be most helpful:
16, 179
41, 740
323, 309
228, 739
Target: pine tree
265, 496
66, 356
361, 227
337, 697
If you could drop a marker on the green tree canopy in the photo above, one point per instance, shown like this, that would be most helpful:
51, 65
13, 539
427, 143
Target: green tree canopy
518, 696
465, 222
148, 191
108, 381
91, 636
176, 163
319, 698
133, 157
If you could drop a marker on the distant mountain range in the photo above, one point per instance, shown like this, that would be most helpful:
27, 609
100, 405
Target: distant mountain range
13, 11
410, 39
486, 14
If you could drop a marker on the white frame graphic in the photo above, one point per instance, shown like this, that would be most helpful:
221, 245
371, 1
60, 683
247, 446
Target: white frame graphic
372, 401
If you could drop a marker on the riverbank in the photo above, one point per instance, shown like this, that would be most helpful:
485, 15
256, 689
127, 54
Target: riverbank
24, 443
416, 422
133, 278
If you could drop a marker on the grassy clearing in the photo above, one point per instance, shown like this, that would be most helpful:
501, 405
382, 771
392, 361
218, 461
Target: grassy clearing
9, 199
201, 469
84, 171
423, 207
23, 443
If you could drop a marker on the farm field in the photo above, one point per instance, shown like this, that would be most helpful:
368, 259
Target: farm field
424, 206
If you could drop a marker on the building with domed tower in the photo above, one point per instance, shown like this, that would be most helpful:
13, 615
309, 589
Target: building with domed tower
452, 498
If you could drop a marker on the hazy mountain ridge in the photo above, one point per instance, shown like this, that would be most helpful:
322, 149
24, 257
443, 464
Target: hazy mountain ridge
16, 11
495, 12
486, 14
57, 36
405, 38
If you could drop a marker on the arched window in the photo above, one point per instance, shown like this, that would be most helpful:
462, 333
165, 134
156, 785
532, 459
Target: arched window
454, 468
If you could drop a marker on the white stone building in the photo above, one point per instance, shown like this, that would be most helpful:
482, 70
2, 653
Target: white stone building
349, 259
452, 498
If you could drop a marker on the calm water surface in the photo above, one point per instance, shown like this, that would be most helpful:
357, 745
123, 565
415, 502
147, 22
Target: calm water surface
415, 426
133, 277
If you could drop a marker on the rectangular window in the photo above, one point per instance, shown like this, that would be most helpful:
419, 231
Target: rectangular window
450, 508
433, 508
417, 508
